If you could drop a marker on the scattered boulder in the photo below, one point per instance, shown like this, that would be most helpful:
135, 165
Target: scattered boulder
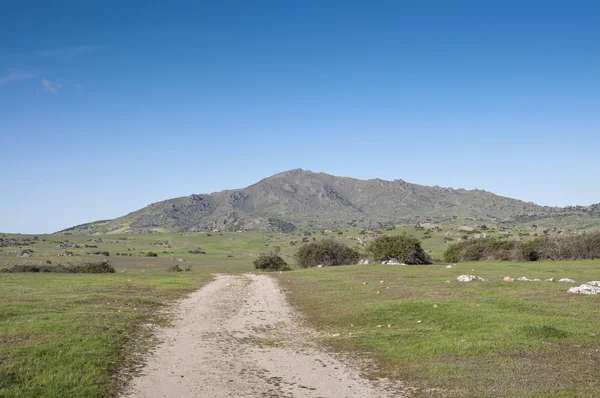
550, 280
525, 279
448, 266
393, 261
586, 288
26, 253
364, 261
566, 280
469, 278
508, 279
320, 266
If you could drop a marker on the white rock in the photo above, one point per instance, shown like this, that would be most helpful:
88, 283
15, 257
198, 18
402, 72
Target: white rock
320, 266
419, 321
550, 280
384, 262
469, 278
566, 280
393, 261
448, 266
381, 281
585, 289
594, 283
525, 279
336, 335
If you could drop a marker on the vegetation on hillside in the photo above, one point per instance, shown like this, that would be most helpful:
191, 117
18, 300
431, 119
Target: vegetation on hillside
270, 262
326, 252
576, 247
403, 248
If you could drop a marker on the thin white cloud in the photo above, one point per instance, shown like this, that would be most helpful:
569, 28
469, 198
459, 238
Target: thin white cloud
11, 77
50, 86
64, 52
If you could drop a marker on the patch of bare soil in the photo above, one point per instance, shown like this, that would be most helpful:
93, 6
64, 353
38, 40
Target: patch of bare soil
238, 337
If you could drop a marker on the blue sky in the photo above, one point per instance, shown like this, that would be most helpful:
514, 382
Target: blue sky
108, 106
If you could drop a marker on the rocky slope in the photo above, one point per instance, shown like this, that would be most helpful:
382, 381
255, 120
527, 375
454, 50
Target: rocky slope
307, 200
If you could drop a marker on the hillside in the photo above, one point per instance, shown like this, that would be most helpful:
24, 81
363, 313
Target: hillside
299, 199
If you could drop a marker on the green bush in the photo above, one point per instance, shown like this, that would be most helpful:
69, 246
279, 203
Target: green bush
403, 248
89, 268
325, 252
93, 268
270, 262
578, 247
151, 254
174, 268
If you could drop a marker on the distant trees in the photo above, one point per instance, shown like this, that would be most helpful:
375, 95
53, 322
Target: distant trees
326, 252
403, 248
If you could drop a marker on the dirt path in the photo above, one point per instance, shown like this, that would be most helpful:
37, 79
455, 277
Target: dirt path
237, 337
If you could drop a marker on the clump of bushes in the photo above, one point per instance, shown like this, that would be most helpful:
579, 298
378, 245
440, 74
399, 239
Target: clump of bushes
177, 268
174, 268
151, 254
403, 248
578, 247
326, 252
103, 267
196, 252
270, 262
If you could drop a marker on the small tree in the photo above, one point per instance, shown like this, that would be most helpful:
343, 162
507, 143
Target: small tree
270, 262
403, 248
326, 252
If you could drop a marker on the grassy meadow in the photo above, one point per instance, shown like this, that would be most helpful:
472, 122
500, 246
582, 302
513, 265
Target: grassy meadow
451, 338
85, 334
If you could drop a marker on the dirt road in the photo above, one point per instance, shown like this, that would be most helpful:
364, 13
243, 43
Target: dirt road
237, 337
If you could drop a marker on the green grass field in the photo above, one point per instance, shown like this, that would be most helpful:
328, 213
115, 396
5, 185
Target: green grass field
84, 335
489, 338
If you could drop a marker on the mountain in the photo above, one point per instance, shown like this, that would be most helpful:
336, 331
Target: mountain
299, 199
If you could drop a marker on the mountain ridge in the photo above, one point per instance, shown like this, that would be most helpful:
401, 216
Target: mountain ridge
302, 199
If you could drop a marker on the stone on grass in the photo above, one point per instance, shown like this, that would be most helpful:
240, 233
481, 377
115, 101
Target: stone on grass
566, 280
508, 279
585, 289
448, 266
469, 278
550, 280
526, 279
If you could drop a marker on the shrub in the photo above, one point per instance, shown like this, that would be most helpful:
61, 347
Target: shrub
103, 267
270, 262
579, 247
174, 268
403, 248
326, 252
151, 254
196, 252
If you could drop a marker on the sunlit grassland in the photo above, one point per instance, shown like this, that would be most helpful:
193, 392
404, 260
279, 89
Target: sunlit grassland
491, 338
